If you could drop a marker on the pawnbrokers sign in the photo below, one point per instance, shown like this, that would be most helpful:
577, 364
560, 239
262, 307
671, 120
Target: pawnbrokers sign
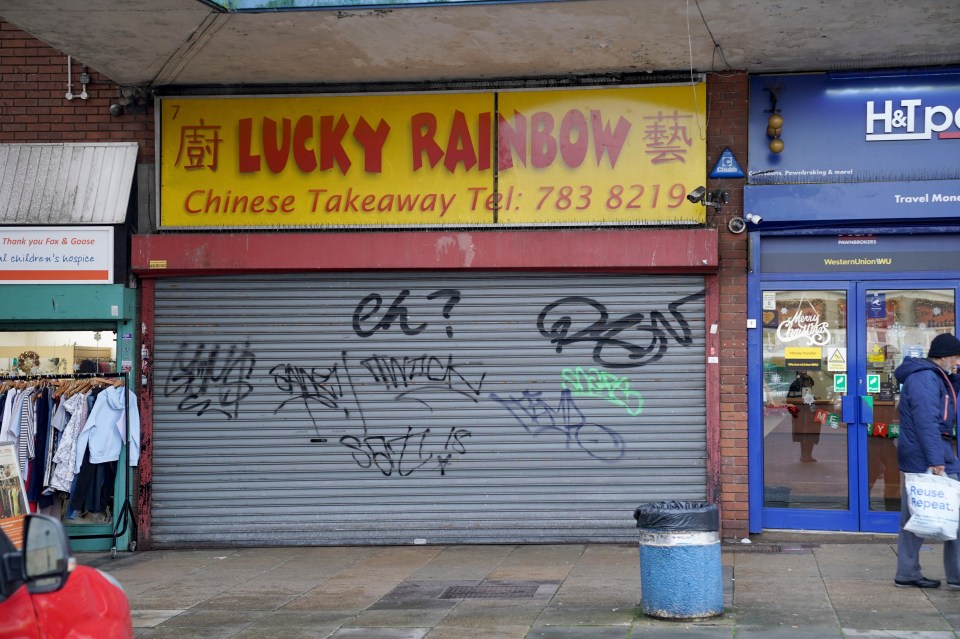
856, 127
601, 156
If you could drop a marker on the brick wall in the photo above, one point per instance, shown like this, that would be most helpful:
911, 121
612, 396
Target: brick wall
727, 101
33, 106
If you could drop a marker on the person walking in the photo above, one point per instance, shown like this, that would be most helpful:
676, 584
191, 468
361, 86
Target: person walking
928, 441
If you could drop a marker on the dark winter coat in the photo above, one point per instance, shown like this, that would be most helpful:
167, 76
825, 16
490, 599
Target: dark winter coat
928, 411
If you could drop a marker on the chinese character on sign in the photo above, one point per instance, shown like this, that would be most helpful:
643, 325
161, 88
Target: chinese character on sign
200, 144
667, 138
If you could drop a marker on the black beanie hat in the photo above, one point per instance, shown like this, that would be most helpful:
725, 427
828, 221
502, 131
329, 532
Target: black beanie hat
944, 345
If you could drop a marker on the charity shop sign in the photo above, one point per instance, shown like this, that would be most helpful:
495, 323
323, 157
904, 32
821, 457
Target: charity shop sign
620, 156
56, 255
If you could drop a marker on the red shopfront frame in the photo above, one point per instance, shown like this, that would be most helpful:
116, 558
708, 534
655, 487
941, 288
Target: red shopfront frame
678, 251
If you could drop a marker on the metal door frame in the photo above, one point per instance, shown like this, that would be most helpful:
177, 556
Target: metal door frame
879, 521
858, 517
795, 518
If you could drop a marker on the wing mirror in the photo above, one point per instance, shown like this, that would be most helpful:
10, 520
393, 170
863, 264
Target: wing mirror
46, 554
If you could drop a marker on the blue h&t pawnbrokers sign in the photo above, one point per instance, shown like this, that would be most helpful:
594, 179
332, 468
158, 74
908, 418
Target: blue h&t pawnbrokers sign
841, 127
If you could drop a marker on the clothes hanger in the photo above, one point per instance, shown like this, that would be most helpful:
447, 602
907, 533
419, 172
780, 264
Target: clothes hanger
62, 387
79, 386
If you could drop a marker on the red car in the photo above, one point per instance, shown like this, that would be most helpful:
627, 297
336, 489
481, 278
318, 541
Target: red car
44, 594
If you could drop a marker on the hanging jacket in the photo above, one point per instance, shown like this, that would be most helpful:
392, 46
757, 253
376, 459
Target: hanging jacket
64, 458
928, 417
8, 399
103, 433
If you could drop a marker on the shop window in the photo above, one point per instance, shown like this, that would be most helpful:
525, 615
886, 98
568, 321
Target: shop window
57, 352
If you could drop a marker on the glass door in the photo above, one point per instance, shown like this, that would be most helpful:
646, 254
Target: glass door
808, 478
830, 397
899, 321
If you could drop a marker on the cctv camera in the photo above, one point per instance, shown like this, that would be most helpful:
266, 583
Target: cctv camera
753, 218
697, 194
736, 225
116, 109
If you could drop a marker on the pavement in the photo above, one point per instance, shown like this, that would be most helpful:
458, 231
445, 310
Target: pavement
814, 588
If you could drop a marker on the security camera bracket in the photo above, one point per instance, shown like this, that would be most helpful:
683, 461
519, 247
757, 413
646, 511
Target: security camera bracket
716, 199
135, 98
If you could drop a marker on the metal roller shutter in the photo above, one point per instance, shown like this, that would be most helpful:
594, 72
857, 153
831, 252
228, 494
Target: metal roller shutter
394, 408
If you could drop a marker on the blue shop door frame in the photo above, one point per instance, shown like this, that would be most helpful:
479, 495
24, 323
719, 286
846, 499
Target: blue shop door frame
823, 457
899, 318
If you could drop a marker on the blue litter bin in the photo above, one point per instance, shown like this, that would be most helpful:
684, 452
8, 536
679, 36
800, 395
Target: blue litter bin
681, 575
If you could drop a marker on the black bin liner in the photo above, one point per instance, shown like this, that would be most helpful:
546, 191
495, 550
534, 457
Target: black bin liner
674, 516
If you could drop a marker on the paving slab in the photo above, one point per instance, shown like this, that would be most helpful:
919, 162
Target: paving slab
444, 631
590, 591
152, 618
586, 615
895, 620
398, 618
464, 562
380, 633
850, 633
250, 599
672, 630
191, 632
789, 632
315, 631
479, 614
562, 632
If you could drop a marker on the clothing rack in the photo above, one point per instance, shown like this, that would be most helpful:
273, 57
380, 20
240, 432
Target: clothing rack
124, 516
39, 376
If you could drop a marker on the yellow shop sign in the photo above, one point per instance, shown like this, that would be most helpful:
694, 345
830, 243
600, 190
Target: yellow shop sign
600, 156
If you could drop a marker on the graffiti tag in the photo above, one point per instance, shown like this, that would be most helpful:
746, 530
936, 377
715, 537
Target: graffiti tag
605, 333
407, 453
594, 382
214, 379
538, 417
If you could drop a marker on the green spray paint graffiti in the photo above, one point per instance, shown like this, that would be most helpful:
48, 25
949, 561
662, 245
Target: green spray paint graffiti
593, 382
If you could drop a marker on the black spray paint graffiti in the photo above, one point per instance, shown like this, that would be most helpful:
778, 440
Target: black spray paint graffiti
213, 379
605, 333
369, 309
332, 388
319, 388
216, 379
315, 385
453, 296
537, 417
424, 373
407, 453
